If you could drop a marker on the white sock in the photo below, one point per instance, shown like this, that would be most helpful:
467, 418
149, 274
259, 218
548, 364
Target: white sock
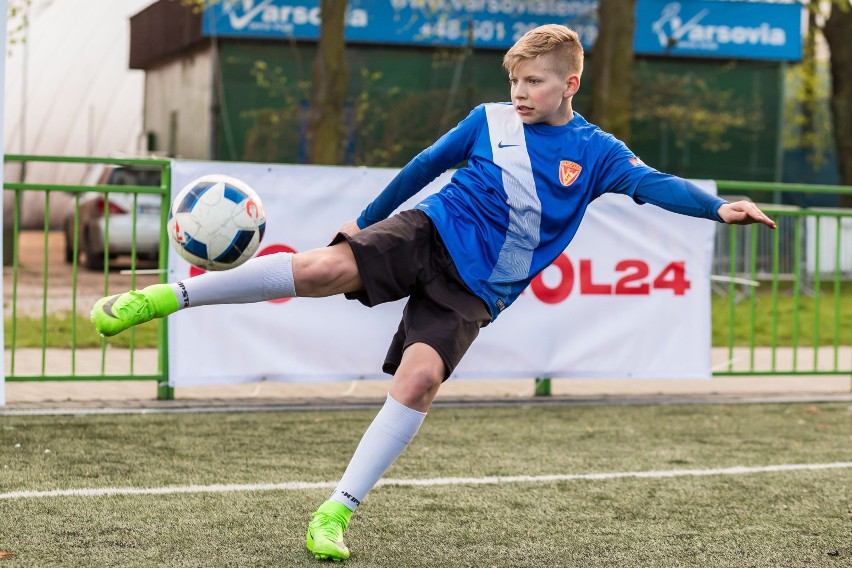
392, 430
261, 278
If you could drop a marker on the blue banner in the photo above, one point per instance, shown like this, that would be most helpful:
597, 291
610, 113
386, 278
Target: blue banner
730, 30
479, 23
692, 28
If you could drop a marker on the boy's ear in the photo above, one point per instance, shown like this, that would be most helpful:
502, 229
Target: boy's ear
572, 85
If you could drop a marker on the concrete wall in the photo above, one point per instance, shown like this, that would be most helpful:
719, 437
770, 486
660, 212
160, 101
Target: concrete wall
178, 102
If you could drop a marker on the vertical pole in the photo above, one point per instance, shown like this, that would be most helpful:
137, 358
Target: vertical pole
836, 330
818, 289
797, 288
75, 250
16, 231
775, 276
164, 390
3, 16
732, 273
46, 247
753, 297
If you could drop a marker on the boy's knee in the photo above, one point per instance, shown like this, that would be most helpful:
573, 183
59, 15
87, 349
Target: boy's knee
416, 385
425, 379
326, 271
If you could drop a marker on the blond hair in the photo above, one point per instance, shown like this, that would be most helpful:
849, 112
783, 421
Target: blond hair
561, 41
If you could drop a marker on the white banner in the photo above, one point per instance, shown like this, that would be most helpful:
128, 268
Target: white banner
630, 297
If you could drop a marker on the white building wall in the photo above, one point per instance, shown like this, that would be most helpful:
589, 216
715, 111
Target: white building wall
69, 92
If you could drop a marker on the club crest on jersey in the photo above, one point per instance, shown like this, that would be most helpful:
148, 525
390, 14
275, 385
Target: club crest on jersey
569, 172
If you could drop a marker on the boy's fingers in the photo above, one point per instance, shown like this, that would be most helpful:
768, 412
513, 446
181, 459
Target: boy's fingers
746, 212
760, 216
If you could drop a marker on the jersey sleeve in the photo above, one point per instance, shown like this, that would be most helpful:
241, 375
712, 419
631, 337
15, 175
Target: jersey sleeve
678, 195
625, 173
451, 149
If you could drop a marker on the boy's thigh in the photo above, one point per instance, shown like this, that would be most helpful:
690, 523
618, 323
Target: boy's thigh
403, 256
395, 256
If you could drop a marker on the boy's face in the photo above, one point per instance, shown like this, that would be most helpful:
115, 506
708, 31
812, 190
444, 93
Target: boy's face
540, 93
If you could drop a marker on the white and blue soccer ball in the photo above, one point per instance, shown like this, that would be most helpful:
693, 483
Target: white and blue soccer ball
216, 222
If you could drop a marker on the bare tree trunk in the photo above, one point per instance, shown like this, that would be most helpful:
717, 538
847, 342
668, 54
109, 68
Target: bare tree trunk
325, 119
809, 86
612, 67
838, 31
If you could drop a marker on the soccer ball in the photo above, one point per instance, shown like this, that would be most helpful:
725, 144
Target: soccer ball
216, 222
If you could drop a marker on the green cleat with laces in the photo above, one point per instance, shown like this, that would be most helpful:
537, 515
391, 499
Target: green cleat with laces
114, 314
325, 532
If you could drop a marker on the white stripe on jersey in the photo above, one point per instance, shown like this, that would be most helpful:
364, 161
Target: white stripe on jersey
509, 148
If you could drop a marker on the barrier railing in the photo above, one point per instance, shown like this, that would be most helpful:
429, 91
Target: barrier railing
48, 335
782, 302
784, 298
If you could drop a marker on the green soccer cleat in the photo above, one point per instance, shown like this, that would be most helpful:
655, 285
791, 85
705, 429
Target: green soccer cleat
325, 532
114, 314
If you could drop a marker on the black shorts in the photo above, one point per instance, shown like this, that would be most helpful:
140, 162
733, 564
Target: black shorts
403, 256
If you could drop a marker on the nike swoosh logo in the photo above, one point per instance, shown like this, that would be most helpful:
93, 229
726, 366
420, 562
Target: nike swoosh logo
107, 307
239, 22
501, 145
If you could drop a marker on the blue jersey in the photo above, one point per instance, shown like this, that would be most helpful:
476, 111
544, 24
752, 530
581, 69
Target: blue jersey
519, 201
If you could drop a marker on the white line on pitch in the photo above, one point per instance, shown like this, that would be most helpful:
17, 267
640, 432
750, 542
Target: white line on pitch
298, 485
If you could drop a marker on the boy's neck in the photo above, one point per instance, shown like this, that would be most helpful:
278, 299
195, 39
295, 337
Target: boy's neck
564, 117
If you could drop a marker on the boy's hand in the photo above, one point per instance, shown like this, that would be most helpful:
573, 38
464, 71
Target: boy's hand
743, 213
350, 227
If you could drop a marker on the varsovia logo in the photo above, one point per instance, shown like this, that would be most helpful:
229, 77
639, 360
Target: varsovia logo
241, 18
674, 30
265, 15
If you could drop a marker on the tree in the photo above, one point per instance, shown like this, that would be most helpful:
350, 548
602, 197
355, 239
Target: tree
329, 78
837, 31
692, 109
329, 86
612, 67
809, 119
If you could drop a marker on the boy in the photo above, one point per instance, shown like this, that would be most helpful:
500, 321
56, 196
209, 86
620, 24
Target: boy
461, 256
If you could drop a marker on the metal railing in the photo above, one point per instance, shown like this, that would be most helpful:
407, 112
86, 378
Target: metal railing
46, 361
787, 316
782, 303
787, 306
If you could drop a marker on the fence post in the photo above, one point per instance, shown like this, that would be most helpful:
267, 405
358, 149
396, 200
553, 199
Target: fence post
164, 391
542, 386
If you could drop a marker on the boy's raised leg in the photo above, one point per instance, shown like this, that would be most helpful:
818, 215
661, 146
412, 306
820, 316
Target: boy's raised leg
322, 272
259, 279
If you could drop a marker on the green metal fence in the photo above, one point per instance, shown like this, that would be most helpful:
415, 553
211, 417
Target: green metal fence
46, 343
784, 298
782, 302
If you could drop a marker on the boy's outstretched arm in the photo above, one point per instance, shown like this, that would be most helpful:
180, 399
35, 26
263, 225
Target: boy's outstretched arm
743, 213
682, 196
